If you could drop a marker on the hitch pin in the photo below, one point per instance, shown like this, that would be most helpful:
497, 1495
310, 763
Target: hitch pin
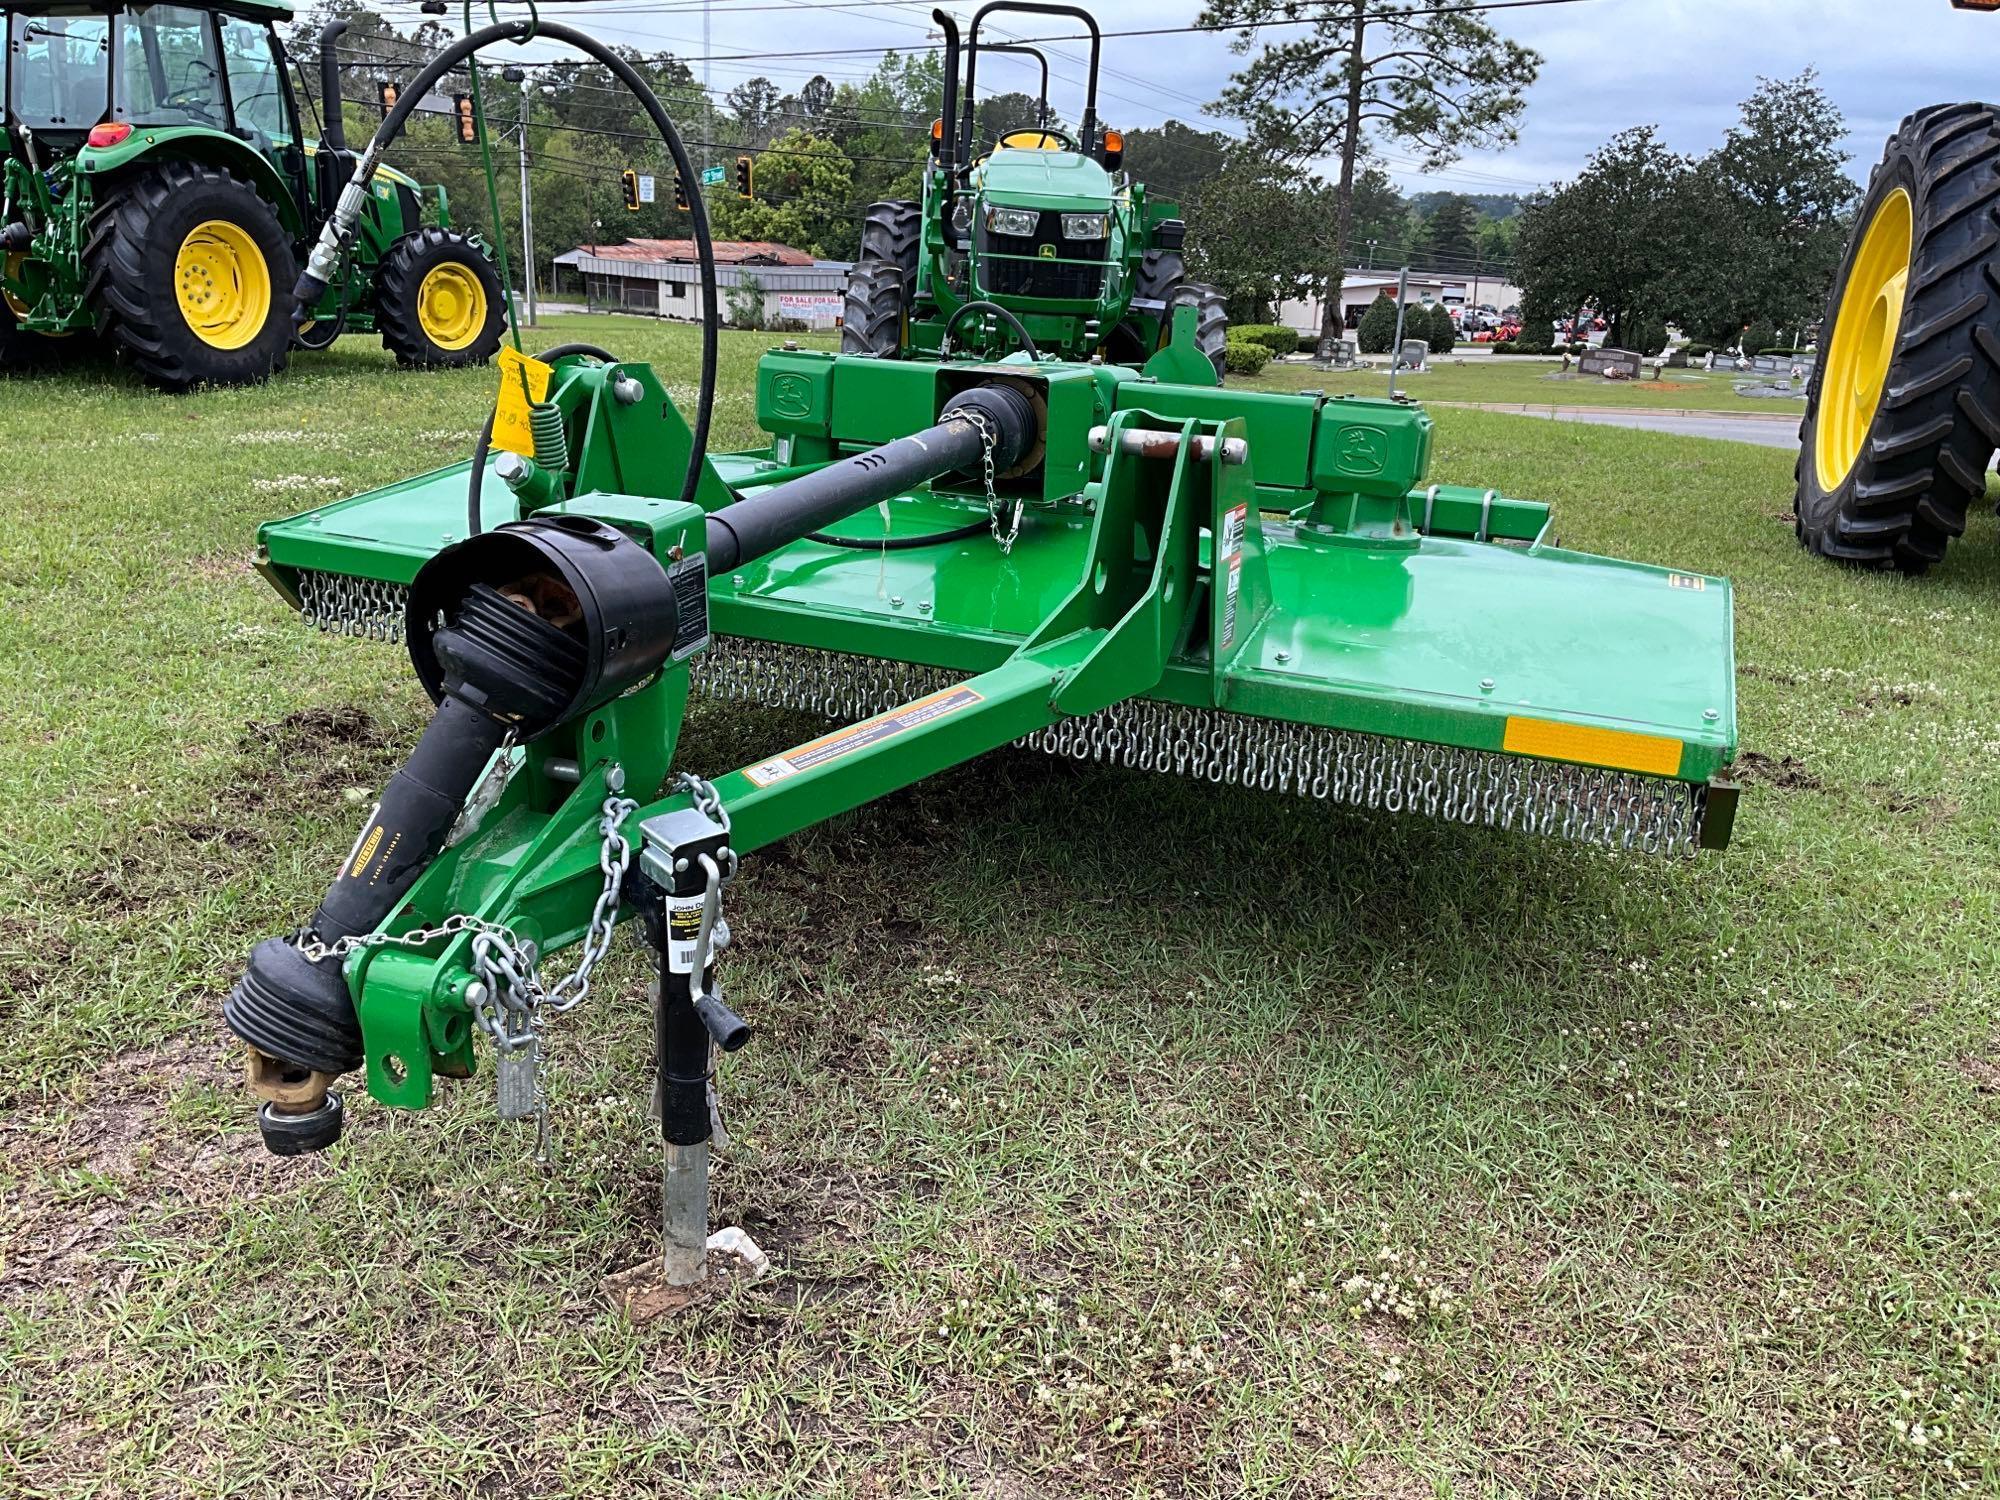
1147, 442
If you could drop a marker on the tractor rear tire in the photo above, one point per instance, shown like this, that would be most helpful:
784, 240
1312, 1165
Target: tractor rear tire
181, 244
1211, 333
438, 303
1903, 409
872, 320
877, 312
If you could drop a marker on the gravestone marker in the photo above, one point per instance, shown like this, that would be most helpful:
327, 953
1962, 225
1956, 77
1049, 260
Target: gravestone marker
1613, 364
1415, 353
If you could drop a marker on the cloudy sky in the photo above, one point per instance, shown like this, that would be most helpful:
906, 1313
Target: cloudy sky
1680, 64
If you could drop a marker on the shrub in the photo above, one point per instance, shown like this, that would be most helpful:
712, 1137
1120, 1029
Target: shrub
1443, 333
1308, 344
1783, 351
1647, 336
1378, 326
1272, 336
1757, 336
1699, 351
1506, 346
1241, 357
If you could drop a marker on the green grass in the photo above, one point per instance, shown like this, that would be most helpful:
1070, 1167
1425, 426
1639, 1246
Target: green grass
1482, 379
1113, 1135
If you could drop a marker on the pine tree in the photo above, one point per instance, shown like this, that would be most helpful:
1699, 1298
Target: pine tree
1378, 326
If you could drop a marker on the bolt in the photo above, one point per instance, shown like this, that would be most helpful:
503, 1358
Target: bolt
614, 777
923, 606
1283, 657
475, 993
1710, 714
736, 580
895, 601
1486, 684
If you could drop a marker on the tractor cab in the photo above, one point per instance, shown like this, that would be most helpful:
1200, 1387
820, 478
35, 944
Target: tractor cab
81, 75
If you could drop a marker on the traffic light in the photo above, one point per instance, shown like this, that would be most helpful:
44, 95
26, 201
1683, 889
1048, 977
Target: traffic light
680, 192
468, 123
631, 190
386, 91
743, 177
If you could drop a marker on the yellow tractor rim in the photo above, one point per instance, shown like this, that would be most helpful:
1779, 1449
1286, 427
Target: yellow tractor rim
451, 305
1863, 341
223, 284
12, 267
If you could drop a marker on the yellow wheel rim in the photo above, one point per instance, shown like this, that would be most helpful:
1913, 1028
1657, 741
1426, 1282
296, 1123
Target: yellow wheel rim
1862, 344
12, 267
223, 284
451, 305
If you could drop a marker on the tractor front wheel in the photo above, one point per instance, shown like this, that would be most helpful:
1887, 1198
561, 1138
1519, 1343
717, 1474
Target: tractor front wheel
1902, 414
884, 281
438, 301
1211, 328
190, 276
872, 317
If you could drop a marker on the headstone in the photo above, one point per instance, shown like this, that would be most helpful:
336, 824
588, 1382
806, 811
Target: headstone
1343, 355
1415, 352
1676, 358
1613, 364
1767, 364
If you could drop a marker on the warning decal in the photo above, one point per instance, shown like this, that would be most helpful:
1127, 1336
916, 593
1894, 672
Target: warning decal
860, 736
1229, 556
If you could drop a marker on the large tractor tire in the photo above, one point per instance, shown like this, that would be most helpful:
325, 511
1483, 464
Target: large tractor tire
874, 312
883, 283
1903, 410
438, 303
190, 276
1211, 332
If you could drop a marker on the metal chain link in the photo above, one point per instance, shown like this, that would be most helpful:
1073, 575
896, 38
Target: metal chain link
989, 437
1609, 809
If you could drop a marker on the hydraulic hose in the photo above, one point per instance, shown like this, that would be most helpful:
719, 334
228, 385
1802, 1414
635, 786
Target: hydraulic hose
325, 258
1021, 338
475, 481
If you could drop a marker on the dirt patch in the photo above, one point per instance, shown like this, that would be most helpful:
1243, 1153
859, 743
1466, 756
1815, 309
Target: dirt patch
1983, 1073
1785, 772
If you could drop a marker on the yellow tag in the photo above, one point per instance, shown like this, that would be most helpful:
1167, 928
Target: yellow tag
522, 382
1587, 746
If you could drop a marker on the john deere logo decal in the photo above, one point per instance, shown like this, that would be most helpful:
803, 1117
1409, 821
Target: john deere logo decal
1047, 252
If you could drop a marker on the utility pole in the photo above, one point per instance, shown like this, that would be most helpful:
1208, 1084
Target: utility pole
527, 211
707, 98
1396, 349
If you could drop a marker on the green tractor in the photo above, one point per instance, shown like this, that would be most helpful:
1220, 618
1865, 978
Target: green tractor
1041, 243
159, 192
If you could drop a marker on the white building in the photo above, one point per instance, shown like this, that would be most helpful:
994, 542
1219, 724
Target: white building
1362, 287
662, 279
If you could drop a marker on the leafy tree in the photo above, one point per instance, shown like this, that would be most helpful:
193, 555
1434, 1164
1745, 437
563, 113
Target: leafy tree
1758, 336
1442, 334
746, 303
1377, 330
1539, 312
1435, 80
1778, 196
1450, 233
803, 194
1622, 237
754, 104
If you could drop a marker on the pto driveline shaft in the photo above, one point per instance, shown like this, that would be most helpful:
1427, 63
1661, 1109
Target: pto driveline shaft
750, 528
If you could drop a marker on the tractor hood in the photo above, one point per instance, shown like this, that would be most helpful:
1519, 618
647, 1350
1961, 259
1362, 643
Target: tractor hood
1045, 179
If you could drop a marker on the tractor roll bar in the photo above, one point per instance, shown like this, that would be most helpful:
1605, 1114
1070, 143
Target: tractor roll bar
1018, 50
1037, 7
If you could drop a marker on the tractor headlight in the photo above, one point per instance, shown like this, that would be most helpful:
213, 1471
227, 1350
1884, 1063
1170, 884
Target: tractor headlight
1019, 222
1083, 226
961, 216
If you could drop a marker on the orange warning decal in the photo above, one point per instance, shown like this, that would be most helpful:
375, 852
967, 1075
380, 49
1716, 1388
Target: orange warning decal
860, 736
1621, 749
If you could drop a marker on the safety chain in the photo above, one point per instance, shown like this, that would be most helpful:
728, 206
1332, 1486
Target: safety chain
989, 437
511, 1003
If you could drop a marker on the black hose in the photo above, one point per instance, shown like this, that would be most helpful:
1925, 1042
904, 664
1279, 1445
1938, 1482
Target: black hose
476, 481
340, 317
310, 285
1021, 338
900, 543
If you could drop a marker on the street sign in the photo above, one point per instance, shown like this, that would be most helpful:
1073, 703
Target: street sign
645, 187
711, 177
